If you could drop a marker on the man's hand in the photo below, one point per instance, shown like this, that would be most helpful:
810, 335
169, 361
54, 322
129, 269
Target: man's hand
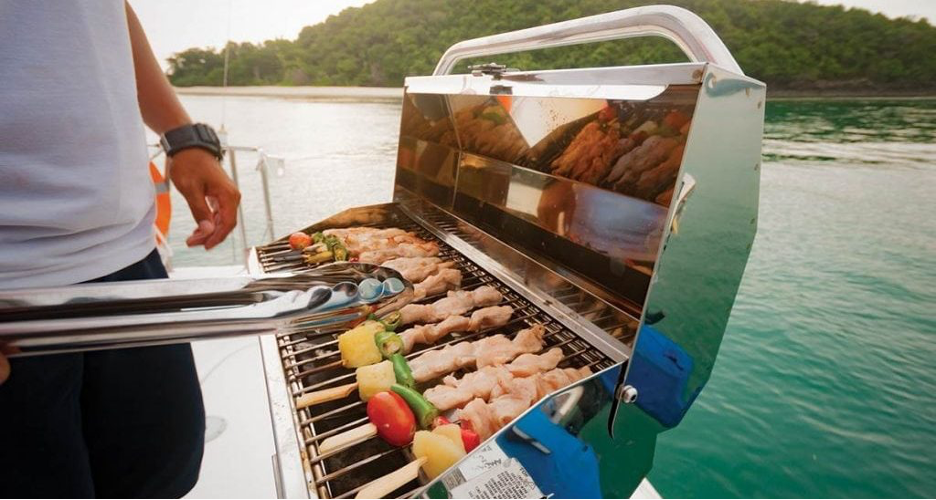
210, 194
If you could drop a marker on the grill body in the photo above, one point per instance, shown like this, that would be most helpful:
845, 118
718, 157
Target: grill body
634, 276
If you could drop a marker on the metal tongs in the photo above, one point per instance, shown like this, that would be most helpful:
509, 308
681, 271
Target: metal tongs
135, 313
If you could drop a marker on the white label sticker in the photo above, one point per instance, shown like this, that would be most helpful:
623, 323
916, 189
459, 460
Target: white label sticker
488, 456
508, 479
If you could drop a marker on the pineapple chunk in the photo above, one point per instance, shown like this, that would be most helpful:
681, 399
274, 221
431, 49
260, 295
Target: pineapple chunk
375, 378
357, 345
453, 432
440, 452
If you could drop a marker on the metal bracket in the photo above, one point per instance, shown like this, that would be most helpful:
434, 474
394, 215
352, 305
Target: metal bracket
491, 68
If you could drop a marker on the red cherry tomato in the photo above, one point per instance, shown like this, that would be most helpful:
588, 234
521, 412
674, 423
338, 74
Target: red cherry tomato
393, 418
298, 241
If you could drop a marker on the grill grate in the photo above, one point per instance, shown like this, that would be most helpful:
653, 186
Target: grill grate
311, 362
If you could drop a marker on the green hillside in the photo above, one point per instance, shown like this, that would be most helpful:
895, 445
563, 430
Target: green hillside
791, 46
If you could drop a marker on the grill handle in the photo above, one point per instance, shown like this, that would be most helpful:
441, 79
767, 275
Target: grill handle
687, 30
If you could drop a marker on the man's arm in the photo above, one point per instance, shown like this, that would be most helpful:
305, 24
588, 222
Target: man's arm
210, 194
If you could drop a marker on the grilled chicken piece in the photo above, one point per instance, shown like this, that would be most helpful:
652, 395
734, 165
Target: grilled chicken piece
528, 364
480, 418
355, 235
417, 269
422, 249
442, 281
497, 353
488, 317
428, 334
510, 398
455, 303
360, 240
496, 348
454, 392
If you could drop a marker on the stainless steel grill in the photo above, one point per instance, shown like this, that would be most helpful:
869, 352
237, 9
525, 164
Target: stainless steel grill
311, 361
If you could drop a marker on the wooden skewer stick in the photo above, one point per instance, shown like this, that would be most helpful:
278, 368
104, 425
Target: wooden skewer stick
346, 438
325, 395
380, 488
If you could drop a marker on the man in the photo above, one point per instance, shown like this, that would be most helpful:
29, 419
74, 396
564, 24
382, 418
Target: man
77, 82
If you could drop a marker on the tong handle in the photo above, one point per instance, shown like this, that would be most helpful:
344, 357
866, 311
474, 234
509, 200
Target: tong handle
687, 30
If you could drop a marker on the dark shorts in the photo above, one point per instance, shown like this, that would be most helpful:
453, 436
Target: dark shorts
120, 423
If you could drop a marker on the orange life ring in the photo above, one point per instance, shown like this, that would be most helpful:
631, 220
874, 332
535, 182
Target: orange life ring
163, 202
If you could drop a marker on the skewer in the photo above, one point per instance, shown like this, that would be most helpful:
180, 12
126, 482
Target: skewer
348, 438
335, 341
338, 353
381, 487
325, 395
306, 390
366, 432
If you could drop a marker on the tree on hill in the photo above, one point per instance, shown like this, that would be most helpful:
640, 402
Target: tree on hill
787, 44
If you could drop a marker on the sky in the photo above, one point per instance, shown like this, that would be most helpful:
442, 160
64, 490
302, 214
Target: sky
175, 25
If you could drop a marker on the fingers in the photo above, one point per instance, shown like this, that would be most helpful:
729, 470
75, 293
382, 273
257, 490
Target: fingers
225, 216
202, 213
204, 230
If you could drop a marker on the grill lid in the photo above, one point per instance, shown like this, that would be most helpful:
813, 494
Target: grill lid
638, 184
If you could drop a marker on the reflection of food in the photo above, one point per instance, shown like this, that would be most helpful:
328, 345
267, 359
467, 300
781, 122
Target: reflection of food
488, 130
644, 157
588, 158
630, 149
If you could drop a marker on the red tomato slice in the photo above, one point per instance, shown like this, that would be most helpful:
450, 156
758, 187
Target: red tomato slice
470, 439
393, 418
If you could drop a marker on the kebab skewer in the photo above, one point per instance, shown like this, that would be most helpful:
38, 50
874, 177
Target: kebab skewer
378, 376
372, 342
496, 349
438, 450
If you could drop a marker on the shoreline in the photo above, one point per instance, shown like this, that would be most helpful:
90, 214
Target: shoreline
395, 94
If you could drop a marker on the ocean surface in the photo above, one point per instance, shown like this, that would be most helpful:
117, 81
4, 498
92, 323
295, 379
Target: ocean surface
825, 385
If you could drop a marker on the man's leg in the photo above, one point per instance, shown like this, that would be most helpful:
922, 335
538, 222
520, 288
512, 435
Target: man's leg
144, 420
42, 451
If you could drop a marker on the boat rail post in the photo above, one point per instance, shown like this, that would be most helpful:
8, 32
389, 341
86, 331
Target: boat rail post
241, 222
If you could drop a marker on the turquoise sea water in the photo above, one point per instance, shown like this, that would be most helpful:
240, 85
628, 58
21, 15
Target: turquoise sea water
825, 385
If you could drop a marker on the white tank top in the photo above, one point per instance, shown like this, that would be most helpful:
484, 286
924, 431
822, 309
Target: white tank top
76, 199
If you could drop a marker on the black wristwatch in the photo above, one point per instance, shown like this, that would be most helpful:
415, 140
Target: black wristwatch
197, 135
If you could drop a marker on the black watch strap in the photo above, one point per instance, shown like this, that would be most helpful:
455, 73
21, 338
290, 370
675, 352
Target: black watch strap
198, 135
